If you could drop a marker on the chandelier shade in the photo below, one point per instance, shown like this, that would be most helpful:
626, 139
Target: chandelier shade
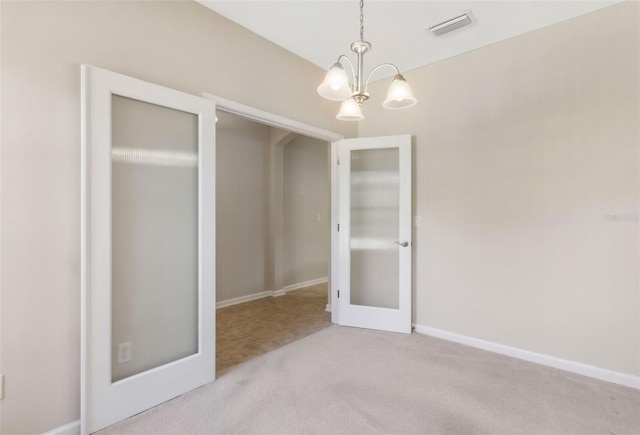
336, 85
350, 111
399, 95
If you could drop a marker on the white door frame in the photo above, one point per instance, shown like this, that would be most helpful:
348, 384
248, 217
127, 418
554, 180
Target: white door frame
283, 123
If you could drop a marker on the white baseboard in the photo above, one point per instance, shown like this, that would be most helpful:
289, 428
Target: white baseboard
273, 293
328, 308
547, 360
72, 428
242, 299
298, 286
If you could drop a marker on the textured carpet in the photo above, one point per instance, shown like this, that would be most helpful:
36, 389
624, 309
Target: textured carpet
354, 381
247, 330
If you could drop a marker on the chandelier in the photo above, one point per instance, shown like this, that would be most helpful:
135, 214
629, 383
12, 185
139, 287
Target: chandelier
336, 84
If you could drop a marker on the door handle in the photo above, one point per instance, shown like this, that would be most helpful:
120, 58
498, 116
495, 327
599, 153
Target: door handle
404, 243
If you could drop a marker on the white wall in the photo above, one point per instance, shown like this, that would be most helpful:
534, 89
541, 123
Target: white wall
306, 210
181, 45
526, 178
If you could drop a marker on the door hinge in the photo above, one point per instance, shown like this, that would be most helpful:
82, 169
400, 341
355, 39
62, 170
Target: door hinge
338, 294
338, 227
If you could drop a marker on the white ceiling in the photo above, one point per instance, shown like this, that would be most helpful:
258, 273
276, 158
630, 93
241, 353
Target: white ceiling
320, 31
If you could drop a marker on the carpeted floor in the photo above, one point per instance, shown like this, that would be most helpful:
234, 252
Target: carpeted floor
247, 330
354, 381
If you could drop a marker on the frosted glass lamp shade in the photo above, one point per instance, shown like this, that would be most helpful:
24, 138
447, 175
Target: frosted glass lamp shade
350, 111
336, 84
399, 95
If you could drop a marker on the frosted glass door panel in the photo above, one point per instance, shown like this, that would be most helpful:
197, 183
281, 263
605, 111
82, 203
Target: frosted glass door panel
374, 223
154, 181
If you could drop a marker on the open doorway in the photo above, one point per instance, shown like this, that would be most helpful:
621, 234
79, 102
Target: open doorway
273, 237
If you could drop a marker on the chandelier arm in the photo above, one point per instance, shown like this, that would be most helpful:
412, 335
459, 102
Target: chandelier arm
353, 71
377, 68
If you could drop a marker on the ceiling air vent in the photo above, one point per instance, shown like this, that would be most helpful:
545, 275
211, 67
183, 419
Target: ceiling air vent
452, 24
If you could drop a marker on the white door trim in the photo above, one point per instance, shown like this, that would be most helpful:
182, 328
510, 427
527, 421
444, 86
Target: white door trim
272, 120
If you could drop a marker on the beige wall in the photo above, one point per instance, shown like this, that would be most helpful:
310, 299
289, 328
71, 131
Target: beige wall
306, 210
241, 207
525, 154
181, 45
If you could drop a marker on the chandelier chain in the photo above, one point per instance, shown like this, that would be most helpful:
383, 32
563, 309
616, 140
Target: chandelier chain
361, 20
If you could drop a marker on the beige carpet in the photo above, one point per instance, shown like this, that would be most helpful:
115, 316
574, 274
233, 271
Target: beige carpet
247, 330
354, 381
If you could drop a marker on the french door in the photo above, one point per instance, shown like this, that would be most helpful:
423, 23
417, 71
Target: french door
374, 178
148, 245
